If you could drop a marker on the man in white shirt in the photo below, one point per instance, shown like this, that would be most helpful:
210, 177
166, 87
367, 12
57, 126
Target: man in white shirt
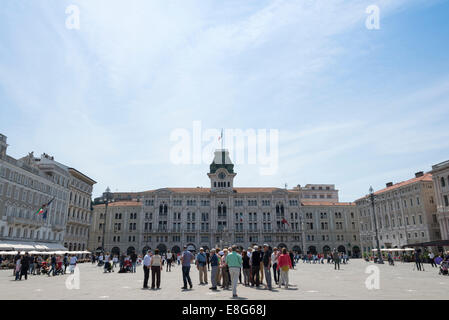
73, 260
146, 269
169, 260
431, 258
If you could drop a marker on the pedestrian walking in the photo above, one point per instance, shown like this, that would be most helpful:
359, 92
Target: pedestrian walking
134, 261
65, 262
432, 261
18, 267
234, 262
201, 261
246, 267
266, 260
256, 259
186, 260
284, 265
146, 269
274, 262
214, 265
169, 258
25, 266
336, 258
208, 260
224, 270
156, 268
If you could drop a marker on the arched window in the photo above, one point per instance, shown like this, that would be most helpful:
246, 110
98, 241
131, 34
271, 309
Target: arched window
165, 208
443, 182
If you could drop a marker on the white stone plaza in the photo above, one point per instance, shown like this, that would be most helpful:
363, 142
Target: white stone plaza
308, 281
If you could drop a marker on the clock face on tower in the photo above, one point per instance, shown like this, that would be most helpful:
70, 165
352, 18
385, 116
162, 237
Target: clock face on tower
221, 175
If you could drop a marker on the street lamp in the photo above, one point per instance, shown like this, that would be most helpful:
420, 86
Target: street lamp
301, 219
371, 195
107, 196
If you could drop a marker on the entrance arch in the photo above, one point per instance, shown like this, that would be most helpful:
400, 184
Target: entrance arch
176, 249
297, 249
162, 248
191, 247
356, 251
130, 250
145, 250
282, 245
326, 249
312, 250
341, 249
115, 251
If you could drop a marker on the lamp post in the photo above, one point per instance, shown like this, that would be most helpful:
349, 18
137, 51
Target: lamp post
303, 234
371, 195
106, 199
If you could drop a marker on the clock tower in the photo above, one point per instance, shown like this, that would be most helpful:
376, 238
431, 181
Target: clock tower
221, 172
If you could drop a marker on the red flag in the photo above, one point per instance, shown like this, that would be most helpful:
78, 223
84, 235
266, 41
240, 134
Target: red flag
285, 221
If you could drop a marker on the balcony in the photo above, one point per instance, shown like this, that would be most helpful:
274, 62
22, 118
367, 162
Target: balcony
26, 221
78, 221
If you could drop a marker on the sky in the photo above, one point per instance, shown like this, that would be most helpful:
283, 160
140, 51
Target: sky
352, 106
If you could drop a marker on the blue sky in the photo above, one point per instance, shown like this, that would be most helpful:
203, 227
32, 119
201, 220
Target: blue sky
354, 107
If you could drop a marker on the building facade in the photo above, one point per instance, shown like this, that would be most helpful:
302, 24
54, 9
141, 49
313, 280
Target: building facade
24, 186
222, 215
440, 175
405, 214
28, 183
79, 216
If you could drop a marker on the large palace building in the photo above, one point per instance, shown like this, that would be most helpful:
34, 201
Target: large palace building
304, 219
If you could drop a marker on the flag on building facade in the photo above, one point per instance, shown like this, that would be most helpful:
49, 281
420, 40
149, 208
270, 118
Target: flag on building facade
43, 209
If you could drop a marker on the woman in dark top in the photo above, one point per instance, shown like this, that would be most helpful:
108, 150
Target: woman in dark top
245, 267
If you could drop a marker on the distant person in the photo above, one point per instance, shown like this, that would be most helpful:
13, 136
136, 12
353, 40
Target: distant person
146, 269
214, 265
284, 265
25, 266
72, 262
234, 263
186, 260
256, 259
266, 260
246, 267
201, 262
134, 261
169, 258
336, 258
156, 268
274, 262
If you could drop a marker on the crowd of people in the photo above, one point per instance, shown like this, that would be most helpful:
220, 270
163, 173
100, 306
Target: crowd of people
225, 266
24, 264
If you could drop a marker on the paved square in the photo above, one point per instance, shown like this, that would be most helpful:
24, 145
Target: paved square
309, 281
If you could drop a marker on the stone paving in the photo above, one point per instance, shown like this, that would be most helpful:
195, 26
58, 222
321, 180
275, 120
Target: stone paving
309, 281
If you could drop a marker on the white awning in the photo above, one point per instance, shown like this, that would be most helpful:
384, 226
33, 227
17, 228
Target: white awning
50, 246
16, 245
8, 253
